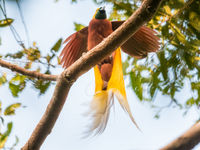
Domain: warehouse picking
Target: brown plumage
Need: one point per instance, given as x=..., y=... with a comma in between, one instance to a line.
x=99, y=29
x=76, y=44
x=138, y=46
x=109, y=80
x=141, y=43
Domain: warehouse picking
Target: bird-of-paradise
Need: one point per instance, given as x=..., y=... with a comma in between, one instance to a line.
x=108, y=73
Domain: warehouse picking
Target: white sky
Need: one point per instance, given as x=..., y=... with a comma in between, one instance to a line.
x=47, y=22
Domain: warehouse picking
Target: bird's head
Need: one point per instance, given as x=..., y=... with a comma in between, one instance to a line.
x=100, y=13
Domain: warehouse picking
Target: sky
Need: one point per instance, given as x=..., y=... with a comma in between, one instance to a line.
x=47, y=21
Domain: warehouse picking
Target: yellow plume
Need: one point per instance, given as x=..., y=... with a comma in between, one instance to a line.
x=103, y=99
x=116, y=84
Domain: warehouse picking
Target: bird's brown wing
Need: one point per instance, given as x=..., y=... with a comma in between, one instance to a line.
x=76, y=44
x=141, y=43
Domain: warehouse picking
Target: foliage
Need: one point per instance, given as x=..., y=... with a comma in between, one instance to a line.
x=177, y=62
x=78, y=26
x=30, y=56
x=27, y=57
x=4, y=135
x=10, y=110
x=6, y=22
x=166, y=72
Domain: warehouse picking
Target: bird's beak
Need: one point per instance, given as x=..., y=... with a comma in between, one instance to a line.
x=102, y=8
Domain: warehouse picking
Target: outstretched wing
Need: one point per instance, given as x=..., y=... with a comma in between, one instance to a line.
x=76, y=44
x=141, y=43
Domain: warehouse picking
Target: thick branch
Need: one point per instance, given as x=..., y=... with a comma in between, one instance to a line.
x=26, y=72
x=82, y=65
x=186, y=141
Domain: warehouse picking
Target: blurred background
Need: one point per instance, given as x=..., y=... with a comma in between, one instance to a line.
x=163, y=89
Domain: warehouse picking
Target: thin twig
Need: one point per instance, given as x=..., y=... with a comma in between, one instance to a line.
x=13, y=30
x=23, y=22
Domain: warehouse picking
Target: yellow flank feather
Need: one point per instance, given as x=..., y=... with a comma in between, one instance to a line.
x=116, y=84
x=98, y=79
x=103, y=99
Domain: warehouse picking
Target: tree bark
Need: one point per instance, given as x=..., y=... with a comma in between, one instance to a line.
x=186, y=141
x=26, y=72
x=82, y=65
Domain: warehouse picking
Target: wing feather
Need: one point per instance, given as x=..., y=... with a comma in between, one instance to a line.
x=76, y=44
x=75, y=50
x=141, y=43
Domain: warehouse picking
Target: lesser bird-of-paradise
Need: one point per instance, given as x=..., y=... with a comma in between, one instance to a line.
x=108, y=73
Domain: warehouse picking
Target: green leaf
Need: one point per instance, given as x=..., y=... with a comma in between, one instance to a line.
x=167, y=9
x=0, y=108
x=195, y=85
x=57, y=46
x=6, y=22
x=32, y=53
x=190, y=101
x=4, y=137
x=58, y=60
x=78, y=26
x=19, y=54
x=28, y=65
x=125, y=65
x=152, y=90
x=154, y=83
x=10, y=110
x=163, y=65
x=194, y=20
x=9, y=128
x=14, y=89
x=74, y=1
x=136, y=84
x=48, y=58
x=173, y=90
x=157, y=116
x=2, y=120
x=17, y=84
x=177, y=31
x=42, y=85
x=18, y=78
x=3, y=79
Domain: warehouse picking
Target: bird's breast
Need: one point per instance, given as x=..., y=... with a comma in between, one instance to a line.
x=98, y=30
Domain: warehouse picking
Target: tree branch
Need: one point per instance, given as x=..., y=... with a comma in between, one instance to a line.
x=82, y=65
x=26, y=72
x=186, y=141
